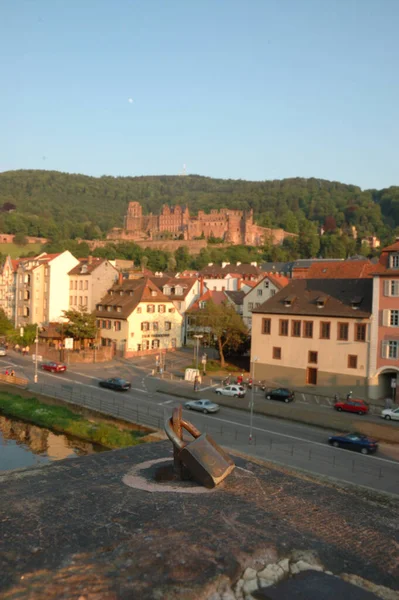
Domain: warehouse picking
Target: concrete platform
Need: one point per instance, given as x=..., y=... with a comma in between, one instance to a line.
x=78, y=529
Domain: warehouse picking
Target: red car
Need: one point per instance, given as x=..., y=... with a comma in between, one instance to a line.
x=352, y=405
x=54, y=367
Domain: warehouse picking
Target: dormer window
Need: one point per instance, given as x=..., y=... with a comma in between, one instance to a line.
x=111, y=292
x=166, y=290
x=153, y=293
x=178, y=291
x=289, y=300
x=202, y=304
x=99, y=306
x=356, y=302
x=394, y=261
x=83, y=269
x=109, y=308
x=121, y=292
x=321, y=301
x=118, y=309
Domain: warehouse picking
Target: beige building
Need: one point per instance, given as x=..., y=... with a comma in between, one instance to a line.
x=42, y=286
x=89, y=281
x=7, y=287
x=315, y=333
x=135, y=317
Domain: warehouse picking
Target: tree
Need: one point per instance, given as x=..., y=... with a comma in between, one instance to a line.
x=81, y=325
x=224, y=324
x=20, y=239
x=171, y=263
x=6, y=326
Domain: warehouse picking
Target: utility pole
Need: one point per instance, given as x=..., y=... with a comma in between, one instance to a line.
x=252, y=399
x=36, y=352
x=198, y=338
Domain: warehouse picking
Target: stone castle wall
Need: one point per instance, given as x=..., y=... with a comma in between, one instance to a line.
x=232, y=226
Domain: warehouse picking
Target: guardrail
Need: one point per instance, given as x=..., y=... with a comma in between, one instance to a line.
x=383, y=476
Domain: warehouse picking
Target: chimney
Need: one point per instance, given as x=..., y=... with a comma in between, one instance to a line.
x=201, y=290
x=89, y=259
x=254, y=264
x=238, y=264
x=120, y=278
x=225, y=264
x=238, y=283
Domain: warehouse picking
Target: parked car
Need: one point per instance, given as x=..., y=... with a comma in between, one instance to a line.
x=205, y=406
x=231, y=390
x=115, y=383
x=53, y=367
x=354, y=441
x=282, y=394
x=3, y=351
x=390, y=413
x=352, y=405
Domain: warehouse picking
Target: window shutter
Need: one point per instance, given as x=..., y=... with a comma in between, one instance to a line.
x=386, y=287
x=386, y=317
x=384, y=350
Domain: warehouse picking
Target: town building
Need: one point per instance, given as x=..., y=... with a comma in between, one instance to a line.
x=89, y=282
x=42, y=288
x=8, y=271
x=136, y=318
x=347, y=269
x=231, y=226
x=315, y=333
x=192, y=327
x=262, y=291
x=384, y=355
x=371, y=241
x=236, y=299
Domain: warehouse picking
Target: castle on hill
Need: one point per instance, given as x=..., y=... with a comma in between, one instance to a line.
x=231, y=226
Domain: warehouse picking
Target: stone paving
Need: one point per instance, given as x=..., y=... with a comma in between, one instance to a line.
x=74, y=529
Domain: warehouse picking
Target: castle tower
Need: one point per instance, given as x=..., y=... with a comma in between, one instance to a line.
x=134, y=217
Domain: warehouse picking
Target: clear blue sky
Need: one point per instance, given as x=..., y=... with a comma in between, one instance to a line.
x=242, y=89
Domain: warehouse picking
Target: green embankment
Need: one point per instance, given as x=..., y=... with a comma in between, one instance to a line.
x=60, y=418
x=15, y=250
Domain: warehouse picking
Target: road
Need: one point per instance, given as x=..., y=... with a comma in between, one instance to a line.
x=288, y=443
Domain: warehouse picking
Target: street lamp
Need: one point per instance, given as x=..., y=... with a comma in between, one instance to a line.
x=255, y=358
x=198, y=337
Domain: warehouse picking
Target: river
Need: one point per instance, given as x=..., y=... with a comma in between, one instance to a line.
x=26, y=445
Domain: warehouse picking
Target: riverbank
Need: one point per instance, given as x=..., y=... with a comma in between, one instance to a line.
x=62, y=419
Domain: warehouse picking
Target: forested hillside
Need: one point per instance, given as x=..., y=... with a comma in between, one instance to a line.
x=64, y=206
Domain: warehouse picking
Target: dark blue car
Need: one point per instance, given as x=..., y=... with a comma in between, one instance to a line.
x=354, y=441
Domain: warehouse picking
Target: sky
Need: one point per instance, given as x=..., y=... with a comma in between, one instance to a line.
x=254, y=89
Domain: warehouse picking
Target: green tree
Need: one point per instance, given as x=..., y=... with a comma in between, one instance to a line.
x=225, y=324
x=6, y=327
x=81, y=325
x=20, y=239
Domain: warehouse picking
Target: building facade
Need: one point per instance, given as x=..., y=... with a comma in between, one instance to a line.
x=89, y=282
x=7, y=287
x=265, y=289
x=315, y=334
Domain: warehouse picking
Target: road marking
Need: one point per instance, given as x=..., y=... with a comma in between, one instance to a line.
x=298, y=439
x=167, y=402
x=140, y=390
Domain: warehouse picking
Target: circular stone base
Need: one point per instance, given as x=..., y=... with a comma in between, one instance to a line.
x=158, y=476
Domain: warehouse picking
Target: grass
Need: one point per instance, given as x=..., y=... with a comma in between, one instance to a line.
x=15, y=251
x=60, y=418
x=213, y=366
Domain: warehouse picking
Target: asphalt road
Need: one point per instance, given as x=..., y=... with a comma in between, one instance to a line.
x=288, y=443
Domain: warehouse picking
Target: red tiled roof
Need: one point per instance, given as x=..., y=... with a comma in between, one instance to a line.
x=133, y=291
x=350, y=269
x=214, y=296
x=392, y=248
x=89, y=266
x=278, y=280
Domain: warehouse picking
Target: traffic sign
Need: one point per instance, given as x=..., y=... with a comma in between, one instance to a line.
x=393, y=383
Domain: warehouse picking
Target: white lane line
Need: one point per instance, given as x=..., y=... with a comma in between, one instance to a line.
x=167, y=402
x=298, y=439
x=140, y=390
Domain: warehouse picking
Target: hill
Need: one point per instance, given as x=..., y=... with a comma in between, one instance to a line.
x=66, y=206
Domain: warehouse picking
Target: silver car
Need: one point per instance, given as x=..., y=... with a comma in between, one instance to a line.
x=390, y=413
x=3, y=351
x=231, y=390
x=205, y=406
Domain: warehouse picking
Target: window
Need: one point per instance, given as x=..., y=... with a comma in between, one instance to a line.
x=109, y=324
x=296, y=329
x=81, y=285
x=86, y=285
x=308, y=329
x=146, y=345
x=155, y=344
x=325, y=330
x=360, y=332
x=80, y=302
x=76, y=299
x=266, y=326
x=394, y=261
x=70, y=300
x=259, y=292
x=343, y=331
x=257, y=304
x=71, y=285
x=394, y=288
x=118, y=308
x=138, y=311
x=118, y=325
x=394, y=318
x=393, y=349
x=250, y=305
x=168, y=325
x=161, y=308
x=202, y=304
x=272, y=292
x=150, y=308
x=283, y=326
x=145, y=326
x=99, y=306
x=138, y=347
x=98, y=324
x=352, y=361
x=266, y=284
x=312, y=357
x=155, y=326
x=277, y=353
x=76, y=284
x=103, y=324
x=173, y=343
x=311, y=376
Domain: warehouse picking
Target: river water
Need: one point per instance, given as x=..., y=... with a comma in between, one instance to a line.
x=25, y=445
